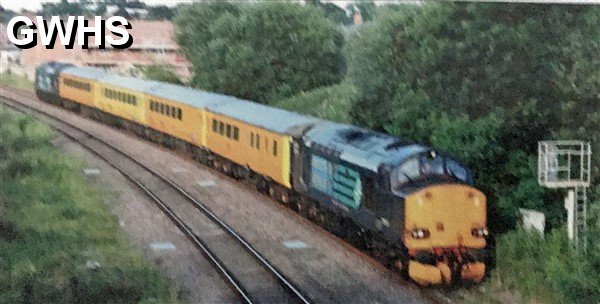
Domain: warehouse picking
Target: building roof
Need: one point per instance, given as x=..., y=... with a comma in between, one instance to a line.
x=363, y=147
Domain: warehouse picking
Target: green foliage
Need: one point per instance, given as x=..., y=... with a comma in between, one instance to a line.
x=63, y=8
x=485, y=82
x=547, y=269
x=263, y=51
x=160, y=12
x=12, y=80
x=331, y=103
x=161, y=73
x=53, y=224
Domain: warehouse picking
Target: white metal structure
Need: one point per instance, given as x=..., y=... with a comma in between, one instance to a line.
x=567, y=164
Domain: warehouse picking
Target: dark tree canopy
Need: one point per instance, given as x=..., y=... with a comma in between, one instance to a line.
x=262, y=52
x=160, y=12
x=485, y=82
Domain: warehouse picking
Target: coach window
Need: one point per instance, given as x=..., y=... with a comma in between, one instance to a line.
x=214, y=127
x=162, y=108
x=257, y=141
x=174, y=112
x=274, y=148
x=179, y=114
x=228, y=133
x=252, y=139
x=221, y=128
x=236, y=133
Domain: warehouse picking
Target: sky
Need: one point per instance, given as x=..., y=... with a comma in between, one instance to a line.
x=17, y=5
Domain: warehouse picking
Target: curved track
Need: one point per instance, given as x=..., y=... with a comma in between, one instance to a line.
x=249, y=273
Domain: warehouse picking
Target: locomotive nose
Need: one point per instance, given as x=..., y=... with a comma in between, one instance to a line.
x=444, y=225
x=452, y=215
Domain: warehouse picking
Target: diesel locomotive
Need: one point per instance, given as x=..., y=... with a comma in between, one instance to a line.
x=410, y=205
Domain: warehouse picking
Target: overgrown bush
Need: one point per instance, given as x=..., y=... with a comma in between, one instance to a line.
x=331, y=103
x=547, y=268
x=161, y=73
x=54, y=226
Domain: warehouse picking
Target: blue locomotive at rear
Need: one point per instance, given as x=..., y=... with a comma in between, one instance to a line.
x=46, y=80
x=363, y=181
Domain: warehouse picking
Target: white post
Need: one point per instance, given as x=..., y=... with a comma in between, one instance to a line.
x=570, y=207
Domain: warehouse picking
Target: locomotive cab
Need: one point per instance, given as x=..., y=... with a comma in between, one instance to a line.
x=445, y=220
x=46, y=80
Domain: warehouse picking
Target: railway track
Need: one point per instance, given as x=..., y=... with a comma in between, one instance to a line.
x=249, y=274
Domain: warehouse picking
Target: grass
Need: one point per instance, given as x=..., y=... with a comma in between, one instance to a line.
x=18, y=81
x=55, y=229
x=535, y=269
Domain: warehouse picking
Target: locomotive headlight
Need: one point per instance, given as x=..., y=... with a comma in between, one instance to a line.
x=420, y=233
x=480, y=232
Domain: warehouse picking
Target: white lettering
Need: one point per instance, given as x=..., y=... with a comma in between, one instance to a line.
x=49, y=31
x=29, y=36
x=125, y=36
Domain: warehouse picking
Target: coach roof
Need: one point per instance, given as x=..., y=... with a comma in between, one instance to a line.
x=86, y=72
x=185, y=95
x=272, y=119
x=134, y=84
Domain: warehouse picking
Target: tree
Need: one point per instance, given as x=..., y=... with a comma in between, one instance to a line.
x=160, y=12
x=161, y=73
x=63, y=8
x=262, y=52
x=441, y=70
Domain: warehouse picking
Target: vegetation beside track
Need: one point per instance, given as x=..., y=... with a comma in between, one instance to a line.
x=59, y=241
x=11, y=79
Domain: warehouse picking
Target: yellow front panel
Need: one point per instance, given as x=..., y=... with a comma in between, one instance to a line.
x=77, y=93
x=449, y=212
x=128, y=111
x=189, y=128
x=260, y=157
